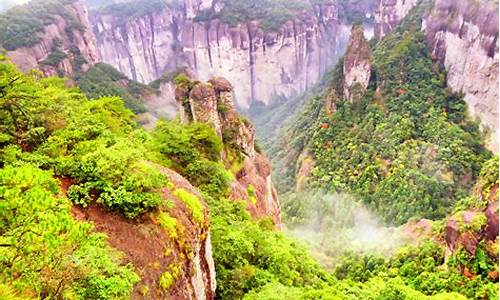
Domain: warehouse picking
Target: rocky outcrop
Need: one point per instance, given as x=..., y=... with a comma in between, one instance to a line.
x=357, y=66
x=213, y=102
x=463, y=35
x=389, y=13
x=66, y=45
x=173, y=261
x=260, y=65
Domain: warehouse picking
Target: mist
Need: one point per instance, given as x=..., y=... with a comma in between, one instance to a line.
x=334, y=224
x=5, y=4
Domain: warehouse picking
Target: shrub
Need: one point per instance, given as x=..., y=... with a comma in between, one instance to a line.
x=193, y=203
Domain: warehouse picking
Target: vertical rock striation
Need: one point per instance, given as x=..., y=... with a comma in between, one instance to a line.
x=73, y=37
x=389, y=13
x=260, y=65
x=463, y=35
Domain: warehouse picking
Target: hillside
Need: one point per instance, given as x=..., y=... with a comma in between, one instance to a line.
x=368, y=167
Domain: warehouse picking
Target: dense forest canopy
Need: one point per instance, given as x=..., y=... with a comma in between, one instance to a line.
x=392, y=195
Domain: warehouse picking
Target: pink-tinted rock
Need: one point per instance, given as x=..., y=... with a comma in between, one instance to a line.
x=492, y=221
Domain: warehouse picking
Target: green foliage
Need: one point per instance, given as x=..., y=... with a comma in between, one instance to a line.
x=166, y=280
x=169, y=224
x=407, y=154
x=22, y=24
x=56, y=56
x=94, y=143
x=421, y=268
x=489, y=177
x=103, y=80
x=136, y=8
x=272, y=14
x=248, y=255
x=192, y=202
x=169, y=277
x=194, y=151
x=44, y=250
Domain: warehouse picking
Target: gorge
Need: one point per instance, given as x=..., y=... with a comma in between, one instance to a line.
x=367, y=169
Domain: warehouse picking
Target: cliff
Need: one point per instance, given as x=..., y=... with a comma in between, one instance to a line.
x=170, y=249
x=213, y=102
x=357, y=66
x=260, y=64
x=463, y=35
x=389, y=13
x=63, y=45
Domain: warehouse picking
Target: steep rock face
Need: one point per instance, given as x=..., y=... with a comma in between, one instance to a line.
x=213, y=102
x=357, y=66
x=154, y=250
x=259, y=64
x=389, y=13
x=463, y=35
x=76, y=42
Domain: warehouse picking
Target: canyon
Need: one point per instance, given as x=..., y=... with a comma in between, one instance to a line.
x=260, y=65
x=206, y=69
x=463, y=36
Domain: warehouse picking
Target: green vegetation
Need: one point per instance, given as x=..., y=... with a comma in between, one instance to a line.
x=136, y=8
x=22, y=24
x=104, y=80
x=272, y=14
x=169, y=277
x=169, y=224
x=56, y=56
x=407, y=151
x=192, y=202
x=44, y=251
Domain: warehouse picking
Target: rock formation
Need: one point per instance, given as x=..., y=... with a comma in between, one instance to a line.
x=357, y=66
x=75, y=43
x=463, y=35
x=389, y=14
x=213, y=102
x=185, y=254
x=260, y=65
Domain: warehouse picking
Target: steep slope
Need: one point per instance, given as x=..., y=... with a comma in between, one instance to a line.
x=52, y=36
x=463, y=36
x=282, y=60
x=213, y=103
x=158, y=241
x=393, y=141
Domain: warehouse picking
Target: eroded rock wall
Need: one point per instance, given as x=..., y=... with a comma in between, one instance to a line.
x=389, y=13
x=76, y=42
x=463, y=35
x=357, y=66
x=259, y=64
x=213, y=102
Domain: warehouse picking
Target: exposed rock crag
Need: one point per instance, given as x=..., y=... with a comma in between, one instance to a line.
x=463, y=35
x=77, y=43
x=357, y=66
x=213, y=102
x=152, y=251
x=389, y=14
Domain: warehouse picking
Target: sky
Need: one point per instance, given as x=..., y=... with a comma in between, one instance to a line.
x=4, y=4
